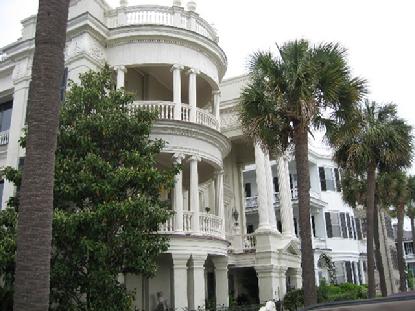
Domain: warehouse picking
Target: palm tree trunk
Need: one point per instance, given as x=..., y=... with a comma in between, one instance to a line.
x=371, y=184
x=401, y=260
x=34, y=230
x=378, y=256
x=303, y=176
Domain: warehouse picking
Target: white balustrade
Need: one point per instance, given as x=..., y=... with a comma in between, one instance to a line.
x=168, y=226
x=207, y=119
x=249, y=241
x=187, y=221
x=4, y=138
x=211, y=224
x=165, y=111
x=251, y=202
x=160, y=15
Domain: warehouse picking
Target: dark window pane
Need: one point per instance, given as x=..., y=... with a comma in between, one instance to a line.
x=337, y=177
x=313, y=226
x=248, y=190
x=5, y=116
x=295, y=226
x=276, y=185
x=322, y=178
x=349, y=272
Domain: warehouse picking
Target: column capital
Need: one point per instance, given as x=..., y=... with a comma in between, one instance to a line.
x=220, y=262
x=176, y=67
x=120, y=68
x=219, y=172
x=178, y=157
x=195, y=158
x=199, y=260
x=193, y=71
x=180, y=260
x=216, y=92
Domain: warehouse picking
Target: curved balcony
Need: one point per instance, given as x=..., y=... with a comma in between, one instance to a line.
x=166, y=111
x=160, y=15
x=210, y=225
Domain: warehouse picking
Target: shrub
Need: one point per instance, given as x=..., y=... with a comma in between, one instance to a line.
x=410, y=276
x=294, y=299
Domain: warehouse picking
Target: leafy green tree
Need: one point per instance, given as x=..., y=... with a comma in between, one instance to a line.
x=107, y=204
x=375, y=138
x=302, y=87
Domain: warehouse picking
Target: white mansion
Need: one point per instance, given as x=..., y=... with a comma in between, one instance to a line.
x=235, y=231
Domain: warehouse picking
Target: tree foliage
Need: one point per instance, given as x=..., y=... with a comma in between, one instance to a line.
x=107, y=203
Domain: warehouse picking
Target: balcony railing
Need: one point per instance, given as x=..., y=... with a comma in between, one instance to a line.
x=165, y=111
x=210, y=225
x=160, y=15
x=249, y=241
x=4, y=138
x=252, y=202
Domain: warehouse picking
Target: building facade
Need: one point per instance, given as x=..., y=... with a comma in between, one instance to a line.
x=234, y=235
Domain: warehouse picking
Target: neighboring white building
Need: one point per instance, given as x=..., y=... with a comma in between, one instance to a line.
x=235, y=227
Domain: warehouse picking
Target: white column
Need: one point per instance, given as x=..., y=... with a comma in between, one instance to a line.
x=20, y=97
x=121, y=70
x=192, y=94
x=219, y=194
x=177, y=91
x=270, y=192
x=178, y=194
x=216, y=105
x=180, y=281
x=268, y=282
x=221, y=279
x=197, y=300
x=262, y=199
x=286, y=210
x=194, y=193
x=362, y=271
x=282, y=282
x=298, y=279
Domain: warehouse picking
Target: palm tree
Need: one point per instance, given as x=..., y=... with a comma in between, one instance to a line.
x=397, y=195
x=36, y=196
x=354, y=190
x=411, y=207
x=374, y=139
x=302, y=87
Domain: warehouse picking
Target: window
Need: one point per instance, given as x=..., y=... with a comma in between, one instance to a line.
x=295, y=226
x=5, y=116
x=248, y=193
x=409, y=248
x=279, y=225
x=353, y=227
x=276, y=185
x=313, y=226
x=333, y=227
x=249, y=229
x=337, y=177
x=343, y=225
x=349, y=272
x=326, y=179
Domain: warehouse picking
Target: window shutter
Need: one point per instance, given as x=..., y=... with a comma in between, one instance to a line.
x=343, y=225
x=353, y=226
x=313, y=226
x=354, y=272
x=322, y=178
x=358, y=229
x=329, y=229
x=337, y=177
x=349, y=225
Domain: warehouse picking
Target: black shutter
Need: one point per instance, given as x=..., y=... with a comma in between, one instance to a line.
x=338, y=183
x=343, y=225
x=349, y=225
x=358, y=229
x=329, y=229
x=349, y=272
x=322, y=178
x=313, y=226
x=276, y=185
x=353, y=220
x=291, y=182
